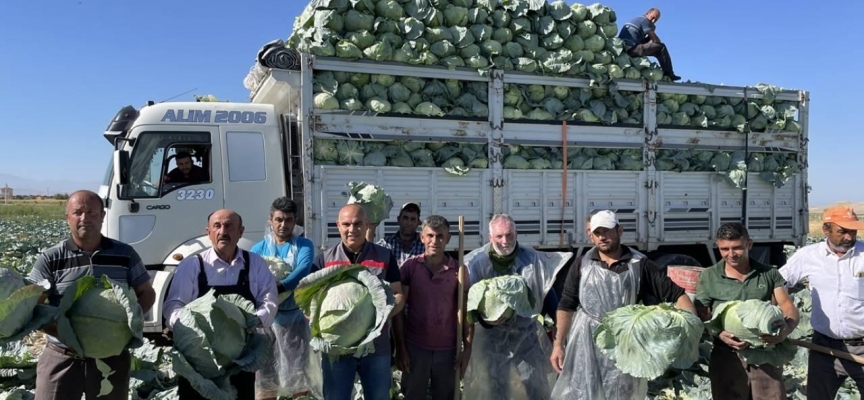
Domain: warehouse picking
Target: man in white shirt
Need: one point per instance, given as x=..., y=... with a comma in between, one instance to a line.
x=228, y=270
x=835, y=271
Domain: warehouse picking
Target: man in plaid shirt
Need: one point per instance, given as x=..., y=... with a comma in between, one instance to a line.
x=405, y=243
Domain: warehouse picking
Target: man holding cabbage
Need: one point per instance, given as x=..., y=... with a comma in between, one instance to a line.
x=343, y=357
x=228, y=270
x=834, y=269
x=61, y=373
x=511, y=285
x=293, y=370
x=609, y=276
x=734, y=372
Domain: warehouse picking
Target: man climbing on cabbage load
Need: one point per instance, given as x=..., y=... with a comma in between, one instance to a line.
x=609, y=276
x=227, y=269
x=640, y=40
x=294, y=371
x=60, y=372
x=426, y=337
x=375, y=368
x=510, y=355
x=405, y=243
x=737, y=277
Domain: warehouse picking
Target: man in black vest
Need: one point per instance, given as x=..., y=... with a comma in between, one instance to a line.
x=228, y=270
x=374, y=369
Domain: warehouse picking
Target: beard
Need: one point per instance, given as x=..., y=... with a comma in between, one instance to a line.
x=504, y=250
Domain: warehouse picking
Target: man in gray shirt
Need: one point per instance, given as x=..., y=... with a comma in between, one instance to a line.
x=60, y=373
x=640, y=40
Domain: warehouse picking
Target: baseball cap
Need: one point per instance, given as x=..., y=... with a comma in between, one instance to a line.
x=410, y=207
x=844, y=217
x=603, y=219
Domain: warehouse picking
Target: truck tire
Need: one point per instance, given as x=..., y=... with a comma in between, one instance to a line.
x=665, y=260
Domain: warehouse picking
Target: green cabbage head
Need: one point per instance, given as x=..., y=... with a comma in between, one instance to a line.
x=347, y=307
x=100, y=318
x=375, y=202
x=747, y=320
x=214, y=338
x=19, y=312
x=644, y=341
x=500, y=297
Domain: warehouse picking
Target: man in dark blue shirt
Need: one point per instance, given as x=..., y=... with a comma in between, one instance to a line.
x=640, y=39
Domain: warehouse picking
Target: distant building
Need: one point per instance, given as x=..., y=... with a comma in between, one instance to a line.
x=6, y=192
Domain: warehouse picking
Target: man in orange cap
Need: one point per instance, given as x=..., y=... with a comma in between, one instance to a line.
x=835, y=271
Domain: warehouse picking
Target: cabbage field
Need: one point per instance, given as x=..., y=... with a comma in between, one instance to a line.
x=21, y=239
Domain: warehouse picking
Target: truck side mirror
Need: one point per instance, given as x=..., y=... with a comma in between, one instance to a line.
x=121, y=166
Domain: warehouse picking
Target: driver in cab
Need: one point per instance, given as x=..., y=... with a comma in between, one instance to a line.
x=186, y=171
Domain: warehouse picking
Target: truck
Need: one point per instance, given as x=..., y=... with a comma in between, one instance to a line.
x=257, y=151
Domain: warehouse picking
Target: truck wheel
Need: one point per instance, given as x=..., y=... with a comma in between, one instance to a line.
x=665, y=260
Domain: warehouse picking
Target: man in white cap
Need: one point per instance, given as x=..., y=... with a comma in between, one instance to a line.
x=609, y=276
x=405, y=243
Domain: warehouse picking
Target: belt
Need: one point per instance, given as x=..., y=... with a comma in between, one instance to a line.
x=65, y=352
x=849, y=342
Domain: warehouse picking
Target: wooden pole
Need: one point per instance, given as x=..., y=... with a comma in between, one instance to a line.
x=459, y=314
x=829, y=351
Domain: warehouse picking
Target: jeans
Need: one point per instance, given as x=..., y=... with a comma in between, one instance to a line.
x=375, y=376
x=657, y=50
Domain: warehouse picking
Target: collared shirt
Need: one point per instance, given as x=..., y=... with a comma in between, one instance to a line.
x=65, y=263
x=394, y=243
x=184, y=286
x=654, y=284
x=432, y=298
x=837, y=287
x=716, y=287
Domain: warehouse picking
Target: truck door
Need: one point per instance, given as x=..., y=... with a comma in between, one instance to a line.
x=175, y=182
x=253, y=175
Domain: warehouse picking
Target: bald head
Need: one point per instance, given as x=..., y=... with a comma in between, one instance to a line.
x=223, y=212
x=84, y=197
x=653, y=14
x=352, y=225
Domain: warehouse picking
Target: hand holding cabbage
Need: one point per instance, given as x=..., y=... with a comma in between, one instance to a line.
x=744, y=326
x=20, y=312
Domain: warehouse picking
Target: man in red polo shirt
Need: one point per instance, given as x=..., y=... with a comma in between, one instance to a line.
x=426, y=333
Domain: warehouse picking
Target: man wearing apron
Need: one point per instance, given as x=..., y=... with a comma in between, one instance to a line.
x=609, y=276
x=294, y=370
x=226, y=269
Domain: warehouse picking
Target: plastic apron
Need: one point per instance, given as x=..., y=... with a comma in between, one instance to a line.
x=295, y=368
x=588, y=374
x=511, y=361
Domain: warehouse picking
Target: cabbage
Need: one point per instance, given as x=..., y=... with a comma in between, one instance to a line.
x=347, y=308
x=214, y=339
x=747, y=320
x=375, y=202
x=500, y=297
x=644, y=341
x=20, y=312
x=99, y=318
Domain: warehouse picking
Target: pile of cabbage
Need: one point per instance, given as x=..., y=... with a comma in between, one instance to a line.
x=775, y=168
x=530, y=36
x=729, y=113
x=524, y=35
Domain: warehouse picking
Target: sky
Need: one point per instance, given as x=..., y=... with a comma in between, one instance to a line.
x=68, y=67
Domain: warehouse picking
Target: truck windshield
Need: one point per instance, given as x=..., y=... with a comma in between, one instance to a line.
x=155, y=152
